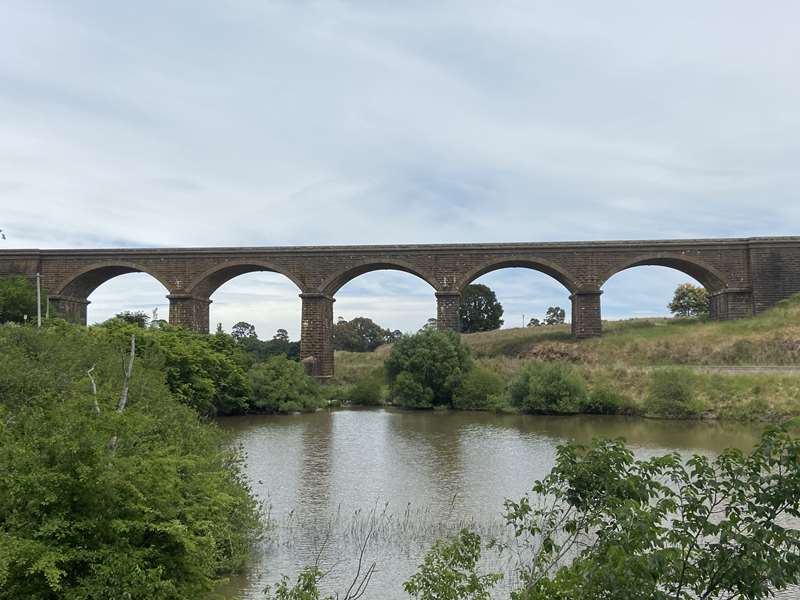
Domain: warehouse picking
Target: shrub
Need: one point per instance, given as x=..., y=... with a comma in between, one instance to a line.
x=17, y=300
x=603, y=399
x=425, y=369
x=547, y=388
x=159, y=512
x=282, y=385
x=671, y=394
x=367, y=391
x=478, y=390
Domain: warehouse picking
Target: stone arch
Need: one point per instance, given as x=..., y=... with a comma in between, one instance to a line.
x=82, y=283
x=557, y=272
x=335, y=282
x=212, y=279
x=711, y=278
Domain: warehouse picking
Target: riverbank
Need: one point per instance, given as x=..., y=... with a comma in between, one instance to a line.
x=746, y=370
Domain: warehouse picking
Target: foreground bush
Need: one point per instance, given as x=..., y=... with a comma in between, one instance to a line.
x=672, y=394
x=282, y=385
x=426, y=368
x=143, y=503
x=548, y=388
x=663, y=527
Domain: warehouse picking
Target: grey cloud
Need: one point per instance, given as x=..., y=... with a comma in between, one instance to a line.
x=351, y=122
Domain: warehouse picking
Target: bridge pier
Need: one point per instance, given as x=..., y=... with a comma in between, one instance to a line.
x=316, y=334
x=189, y=311
x=447, y=311
x=70, y=308
x=731, y=303
x=586, y=320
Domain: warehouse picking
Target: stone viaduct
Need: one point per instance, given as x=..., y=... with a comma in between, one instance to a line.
x=744, y=276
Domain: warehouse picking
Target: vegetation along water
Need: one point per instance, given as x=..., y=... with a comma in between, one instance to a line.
x=140, y=460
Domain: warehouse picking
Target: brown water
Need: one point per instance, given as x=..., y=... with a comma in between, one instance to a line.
x=415, y=476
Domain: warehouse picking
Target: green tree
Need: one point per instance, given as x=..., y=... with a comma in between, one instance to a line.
x=534, y=322
x=449, y=571
x=689, y=301
x=281, y=336
x=282, y=385
x=555, y=315
x=359, y=335
x=134, y=318
x=624, y=529
x=17, y=299
x=426, y=368
x=243, y=331
x=479, y=310
x=161, y=513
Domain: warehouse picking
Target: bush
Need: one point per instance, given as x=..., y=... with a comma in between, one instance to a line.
x=367, y=391
x=548, y=388
x=94, y=503
x=603, y=399
x=671, y=394
x=17, y=299
x=478, y=390
x=206, y=372
x=282, y=385
x=426, y=368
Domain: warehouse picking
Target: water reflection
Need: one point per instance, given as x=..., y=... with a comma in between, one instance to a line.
x=323, y=472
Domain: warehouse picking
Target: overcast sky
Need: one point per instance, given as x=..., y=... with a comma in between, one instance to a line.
x=254, y=122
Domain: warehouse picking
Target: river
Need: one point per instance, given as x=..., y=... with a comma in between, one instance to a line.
x=330, y=477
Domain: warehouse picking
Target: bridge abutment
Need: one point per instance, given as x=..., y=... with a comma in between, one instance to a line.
x=586, y=319
x=731, y=303
x=189, y=311
x=316, y=335
x=448, y=305
x=70, y=308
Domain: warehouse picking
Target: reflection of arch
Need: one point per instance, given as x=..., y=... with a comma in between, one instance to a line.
x=542, y=265
x=88, y=279
x=208, y=282
x=710, y=277
x=336, y=281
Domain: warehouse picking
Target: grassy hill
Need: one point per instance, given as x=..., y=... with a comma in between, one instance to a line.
x=630, y=351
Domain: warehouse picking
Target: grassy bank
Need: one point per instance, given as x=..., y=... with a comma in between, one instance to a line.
x=624, y=364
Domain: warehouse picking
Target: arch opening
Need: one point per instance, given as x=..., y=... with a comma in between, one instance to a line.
x=393, y=298
x=525, y=294
x=334, y=283
x=114, y=291
x=706, y=275
x=643, y=291
x=546, y=267
x=266, y=299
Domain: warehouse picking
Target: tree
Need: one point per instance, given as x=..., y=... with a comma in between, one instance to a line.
x=426, y=368
x=281, y=336
x=449, y=571
x=480, y=310
x=619, y=528
x=138, y=318
x=159, y=514
x=554, y=315
x=282, y=385
x=534, y=322
x=17, y=299
x=359, y=335
x=243, y=330
x=689, y=301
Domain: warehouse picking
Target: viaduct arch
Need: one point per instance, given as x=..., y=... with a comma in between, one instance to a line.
x=743, y=275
